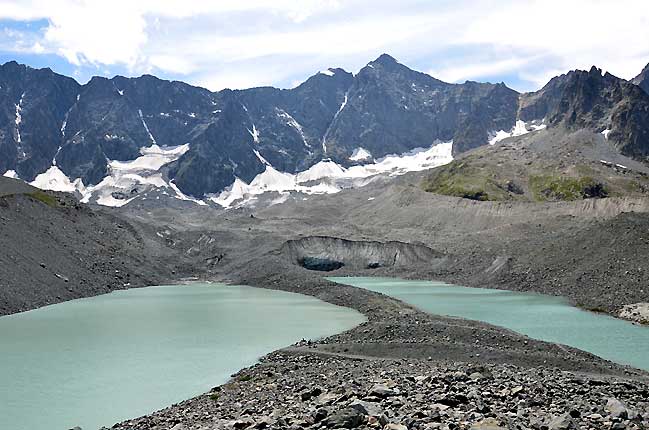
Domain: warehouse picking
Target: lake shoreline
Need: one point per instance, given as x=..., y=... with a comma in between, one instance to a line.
x=396, y=336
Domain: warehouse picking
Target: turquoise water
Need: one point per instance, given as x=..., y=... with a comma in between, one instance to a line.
x=541, y=317
x=93, y=362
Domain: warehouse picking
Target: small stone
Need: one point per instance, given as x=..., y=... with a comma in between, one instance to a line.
x=241, y=424
x=488, y=424
x=393, y=426
x=380, y=390
x=366, y=408
x=476, y=376
x=320, y=414
x=562, y=422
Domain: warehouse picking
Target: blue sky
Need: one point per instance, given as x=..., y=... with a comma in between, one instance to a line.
x=239, y=44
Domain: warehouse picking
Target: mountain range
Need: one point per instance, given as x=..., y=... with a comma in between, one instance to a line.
x=113, y=139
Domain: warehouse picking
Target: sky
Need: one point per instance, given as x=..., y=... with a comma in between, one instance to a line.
x=245, y=43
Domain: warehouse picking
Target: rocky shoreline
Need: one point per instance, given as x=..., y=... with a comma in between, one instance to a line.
x=405, y=369
x=299, y=390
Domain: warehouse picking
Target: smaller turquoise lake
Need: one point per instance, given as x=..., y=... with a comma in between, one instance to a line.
x=541, y=317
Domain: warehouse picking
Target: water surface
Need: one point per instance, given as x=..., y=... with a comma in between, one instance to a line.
x=93, y=362
x=542, y=317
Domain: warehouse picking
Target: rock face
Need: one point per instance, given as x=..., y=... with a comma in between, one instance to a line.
x=598, y=102
x=33, y=106
x=642, y=80
x=329, y=253
x=389, y=106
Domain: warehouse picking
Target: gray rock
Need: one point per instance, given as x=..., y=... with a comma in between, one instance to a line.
x=345, y=418
x=562, y=422
x=380, y=390
x=616, y=408
x=367, y=408
x=488, y=424
x=393, y=426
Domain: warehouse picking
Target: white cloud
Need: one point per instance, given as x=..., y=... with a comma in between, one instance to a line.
x=471, y=70
x=235, y=43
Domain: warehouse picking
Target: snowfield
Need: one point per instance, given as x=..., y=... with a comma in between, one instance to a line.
x=519, y=129
x=328, y=177
x=129, y=180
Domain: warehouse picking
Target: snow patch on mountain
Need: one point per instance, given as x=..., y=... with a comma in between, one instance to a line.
x=520, y=128
x=128, y=180
x=18, y=120
x=153, y=158
x=125, y=180
x=328, y=72
x=606, y=133
x=55, y=180
x=293, y=123
x=328, y=177
x=322, y=169
x=340, y=109
x=270, y=180
x=254, y=133
x=261, y=158
x=412, y=161
x=360, y=154
x=146, y=127
x=11, y=174
x=182, y=196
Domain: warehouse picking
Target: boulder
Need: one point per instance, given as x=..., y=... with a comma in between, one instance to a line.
x=380, y=390
x=348, y=418
x=366, y=408
x=616, y=408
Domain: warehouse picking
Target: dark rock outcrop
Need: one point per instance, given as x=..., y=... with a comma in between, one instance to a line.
x=642, y=80
x=596, y=102
x=392, y=109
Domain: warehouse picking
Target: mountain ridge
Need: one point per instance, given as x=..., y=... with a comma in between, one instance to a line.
x=386, y=108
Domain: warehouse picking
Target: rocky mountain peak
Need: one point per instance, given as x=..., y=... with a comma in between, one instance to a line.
x=385, y=60
x=642, y=80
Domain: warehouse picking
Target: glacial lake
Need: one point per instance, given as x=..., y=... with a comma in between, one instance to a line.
x=538, y=316
x=96, y=361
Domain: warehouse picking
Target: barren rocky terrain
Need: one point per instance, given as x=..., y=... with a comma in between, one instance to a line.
x=437, y=372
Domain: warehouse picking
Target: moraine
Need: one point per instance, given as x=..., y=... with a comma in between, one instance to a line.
x=538, y=316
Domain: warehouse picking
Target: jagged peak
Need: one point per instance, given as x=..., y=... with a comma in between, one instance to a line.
x=12, y=63
x=595, y=70
x=385, y=59
x=643, y=77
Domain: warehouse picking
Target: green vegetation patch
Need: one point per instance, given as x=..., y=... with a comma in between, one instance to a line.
x=549, y=187
x=461, y=179
x=44, y=198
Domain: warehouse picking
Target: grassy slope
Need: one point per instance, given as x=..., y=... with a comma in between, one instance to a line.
x=524, y=170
